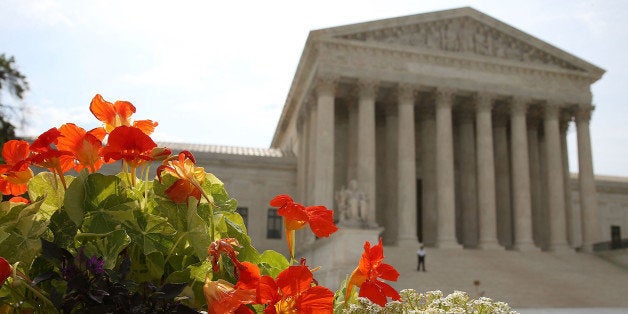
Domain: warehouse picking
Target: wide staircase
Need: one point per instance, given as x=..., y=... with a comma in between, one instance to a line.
x=522, y=279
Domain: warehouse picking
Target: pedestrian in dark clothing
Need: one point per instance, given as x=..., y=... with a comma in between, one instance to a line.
x=421, y=255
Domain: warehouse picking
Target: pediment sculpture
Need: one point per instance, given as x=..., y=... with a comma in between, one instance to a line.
x=463, y=35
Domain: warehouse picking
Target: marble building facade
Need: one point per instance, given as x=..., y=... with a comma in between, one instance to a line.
x=454, y=127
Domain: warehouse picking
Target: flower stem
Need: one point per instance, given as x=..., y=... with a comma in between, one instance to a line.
x=41, y=296
x=23, y=279
x=211, y=211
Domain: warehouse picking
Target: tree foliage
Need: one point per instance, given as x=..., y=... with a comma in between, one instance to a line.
x=14, y=83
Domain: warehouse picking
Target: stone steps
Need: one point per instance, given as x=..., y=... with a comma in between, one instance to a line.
x=523, y=279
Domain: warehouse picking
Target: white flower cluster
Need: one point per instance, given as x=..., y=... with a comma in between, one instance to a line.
x=431, y=302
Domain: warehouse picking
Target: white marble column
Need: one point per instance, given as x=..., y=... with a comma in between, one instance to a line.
x=487, y=222
x=324, y=154
x=391, y=217
x=309, y=136
x=586, y=180
x=520, y=177
x=574, y=235
x=428, y=159
x=466, y=178
x=555, y=180
x=536, y=185
x=352, y=143
x=445, y=191
x=311, y=152
x=406, y=167
x=366, y=145
x=502, y=179
x=302, y=137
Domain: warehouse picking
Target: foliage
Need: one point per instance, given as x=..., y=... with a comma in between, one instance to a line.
x=119, y=243
x=14, y=82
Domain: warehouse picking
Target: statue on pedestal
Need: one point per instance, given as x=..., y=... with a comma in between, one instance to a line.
x=352, y=205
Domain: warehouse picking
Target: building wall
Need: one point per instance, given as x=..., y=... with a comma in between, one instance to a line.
x=253, y=181
x=612, y=195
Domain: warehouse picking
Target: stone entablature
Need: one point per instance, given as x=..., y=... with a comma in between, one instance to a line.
x=360, y=61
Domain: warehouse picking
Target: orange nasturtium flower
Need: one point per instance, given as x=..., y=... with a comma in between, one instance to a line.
x=190, y=177
x=220, y=246
x=5, y=270
x=222, y=296
x=365, y=276
x=84, y=146
x=129, y=144
x=296, y=216
x=118, y=114
x=295, y=291
x=46, y=154
x=14, y=175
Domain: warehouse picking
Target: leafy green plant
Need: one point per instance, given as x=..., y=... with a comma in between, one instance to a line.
x=173, y=244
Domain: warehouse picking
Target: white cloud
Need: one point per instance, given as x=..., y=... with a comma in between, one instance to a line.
x=31, y=13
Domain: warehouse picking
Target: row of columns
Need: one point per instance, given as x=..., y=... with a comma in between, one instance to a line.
x=491, y=163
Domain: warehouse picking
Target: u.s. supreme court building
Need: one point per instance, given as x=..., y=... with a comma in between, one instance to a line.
x=447, y=129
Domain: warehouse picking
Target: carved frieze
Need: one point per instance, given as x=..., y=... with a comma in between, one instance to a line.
x=464, y=35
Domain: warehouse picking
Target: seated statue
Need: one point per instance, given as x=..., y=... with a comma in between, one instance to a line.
x=352, y=205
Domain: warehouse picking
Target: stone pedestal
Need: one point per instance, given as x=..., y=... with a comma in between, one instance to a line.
x=343, y=250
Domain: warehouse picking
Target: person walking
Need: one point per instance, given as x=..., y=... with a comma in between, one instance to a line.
x=421, y=255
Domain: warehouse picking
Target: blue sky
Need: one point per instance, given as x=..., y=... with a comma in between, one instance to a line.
x=218, y=72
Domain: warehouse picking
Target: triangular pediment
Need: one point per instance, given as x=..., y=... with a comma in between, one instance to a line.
x=465, y=31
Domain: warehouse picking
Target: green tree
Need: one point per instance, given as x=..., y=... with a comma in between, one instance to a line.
x=14, y=83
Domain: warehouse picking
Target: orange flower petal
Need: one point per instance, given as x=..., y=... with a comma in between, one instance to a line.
x=294, y=280
x=293, y=211
x=15, y=151
x=316, y=300
x=130, y=144
x=85, y=146
x=18, y=199
x=387, y=272
x=16, y=183
x=222, y=297
x=43, y=142
x=124, y=110
x=378, y=292
x=102, y=110
x=321, y=220
x=248, y=276
x=98, y=133
x=267, y=291
x=147, y=126
x=281, y=200
x=181, y=190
